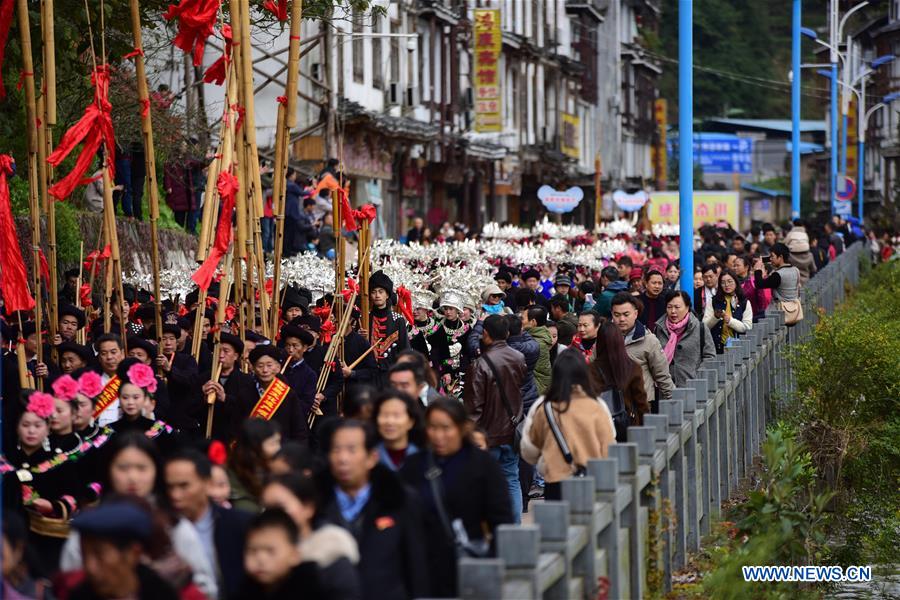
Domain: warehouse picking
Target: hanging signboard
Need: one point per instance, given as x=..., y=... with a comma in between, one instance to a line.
x=557, y=201
x=569, y=145
x=709, y=207
x=630, y=202
x=488, y=41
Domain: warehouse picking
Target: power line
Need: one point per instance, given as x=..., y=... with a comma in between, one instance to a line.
x=771, y=84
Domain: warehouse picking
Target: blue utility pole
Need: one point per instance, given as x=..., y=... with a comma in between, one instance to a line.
x=834, y=134
x=795, y=111
x=861, y=174
x=686, y=143
x=844, y=143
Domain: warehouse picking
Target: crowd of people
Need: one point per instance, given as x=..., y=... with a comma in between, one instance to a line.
x=147, y=464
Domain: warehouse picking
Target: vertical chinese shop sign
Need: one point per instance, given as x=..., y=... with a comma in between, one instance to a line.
x=488, y=41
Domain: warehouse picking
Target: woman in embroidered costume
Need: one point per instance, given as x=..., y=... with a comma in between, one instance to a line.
x=46, y=480
x=136, y=401
x=80, y=394
x=450, y=341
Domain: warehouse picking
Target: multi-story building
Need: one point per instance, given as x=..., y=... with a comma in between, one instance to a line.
x=399, y=99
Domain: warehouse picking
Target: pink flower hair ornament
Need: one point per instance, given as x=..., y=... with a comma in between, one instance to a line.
x=65, y=388
x=90, y=384
x=142, y=376
x=41, y=404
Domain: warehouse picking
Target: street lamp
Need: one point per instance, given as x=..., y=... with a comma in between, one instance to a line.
x=861, y=134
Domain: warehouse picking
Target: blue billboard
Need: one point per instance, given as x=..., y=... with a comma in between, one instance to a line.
x=719, y=153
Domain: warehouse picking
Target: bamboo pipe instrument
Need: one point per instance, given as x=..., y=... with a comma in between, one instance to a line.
x=35, y=168
x=149, y=158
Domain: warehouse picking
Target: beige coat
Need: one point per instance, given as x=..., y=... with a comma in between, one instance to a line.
x=644, y=348
x=588, y=430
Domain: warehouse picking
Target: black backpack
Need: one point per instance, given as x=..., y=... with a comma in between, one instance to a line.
x=615, y=401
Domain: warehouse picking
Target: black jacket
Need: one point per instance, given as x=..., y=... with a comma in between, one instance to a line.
x=153, y=587
x=182, y=383
x=389, y=534
x=301, y=584
x=302, y=380
x=355, y=346
x=289, y=415
x=315, y=358
x=229, y=531
x=474, y=490
x=227, y=415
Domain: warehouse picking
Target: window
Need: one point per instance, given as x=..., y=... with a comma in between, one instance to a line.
x=395, y=53
x=358, y=51
x=377, y=65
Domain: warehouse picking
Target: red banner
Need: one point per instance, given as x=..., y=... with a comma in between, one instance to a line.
x=227, y=186
x=14, y=277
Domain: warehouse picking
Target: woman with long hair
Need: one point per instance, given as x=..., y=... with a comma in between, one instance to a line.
x=134, y=469
x=614, y=371
x=686, y=341
x=257, y=443
x=583, y=422
x=463, y=491
x=398, y=419
x=333, y=549
x=730, y=314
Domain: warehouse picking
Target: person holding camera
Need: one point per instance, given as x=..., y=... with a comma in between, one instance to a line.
x=784, y=282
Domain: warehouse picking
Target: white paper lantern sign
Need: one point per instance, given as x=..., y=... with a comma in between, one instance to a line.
x=557, y=201
x=630, y=202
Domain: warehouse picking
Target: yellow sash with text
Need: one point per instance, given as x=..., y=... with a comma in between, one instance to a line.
x=108, y=395
x=271, y=400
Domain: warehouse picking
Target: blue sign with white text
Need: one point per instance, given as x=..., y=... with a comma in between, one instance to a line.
x=720, y=153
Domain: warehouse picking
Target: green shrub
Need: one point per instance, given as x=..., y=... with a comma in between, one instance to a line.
x=781, y=523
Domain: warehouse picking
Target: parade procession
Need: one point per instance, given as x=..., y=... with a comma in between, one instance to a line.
x=350, y=299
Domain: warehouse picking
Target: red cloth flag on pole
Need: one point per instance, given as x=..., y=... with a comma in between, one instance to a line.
x=94, y=128
x=196, y=21
x=227, y=185
x=14, y=277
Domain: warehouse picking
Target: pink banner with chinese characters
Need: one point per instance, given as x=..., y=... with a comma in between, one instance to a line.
x=709, y=207
x=487, y=41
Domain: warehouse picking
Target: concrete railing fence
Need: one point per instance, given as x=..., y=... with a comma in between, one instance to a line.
x=660, y=492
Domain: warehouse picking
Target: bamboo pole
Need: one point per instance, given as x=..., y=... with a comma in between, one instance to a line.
x=80, y=334
x=224, y=290
x=49, y=34
x=279, y=185
x=26, y=379
x=227, y=155
x=149, y=159
x=333, y=348
x=287, y=120
x=35, y=168
x=363, y=273
x=114, y=270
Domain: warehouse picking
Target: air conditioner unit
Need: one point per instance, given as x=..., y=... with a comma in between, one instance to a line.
x=392, y=94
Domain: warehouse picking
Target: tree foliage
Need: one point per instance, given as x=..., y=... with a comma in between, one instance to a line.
x=74, y=21
x=745, y=51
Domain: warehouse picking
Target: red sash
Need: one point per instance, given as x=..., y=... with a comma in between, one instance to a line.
x=108, y=395
x=271, y=400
